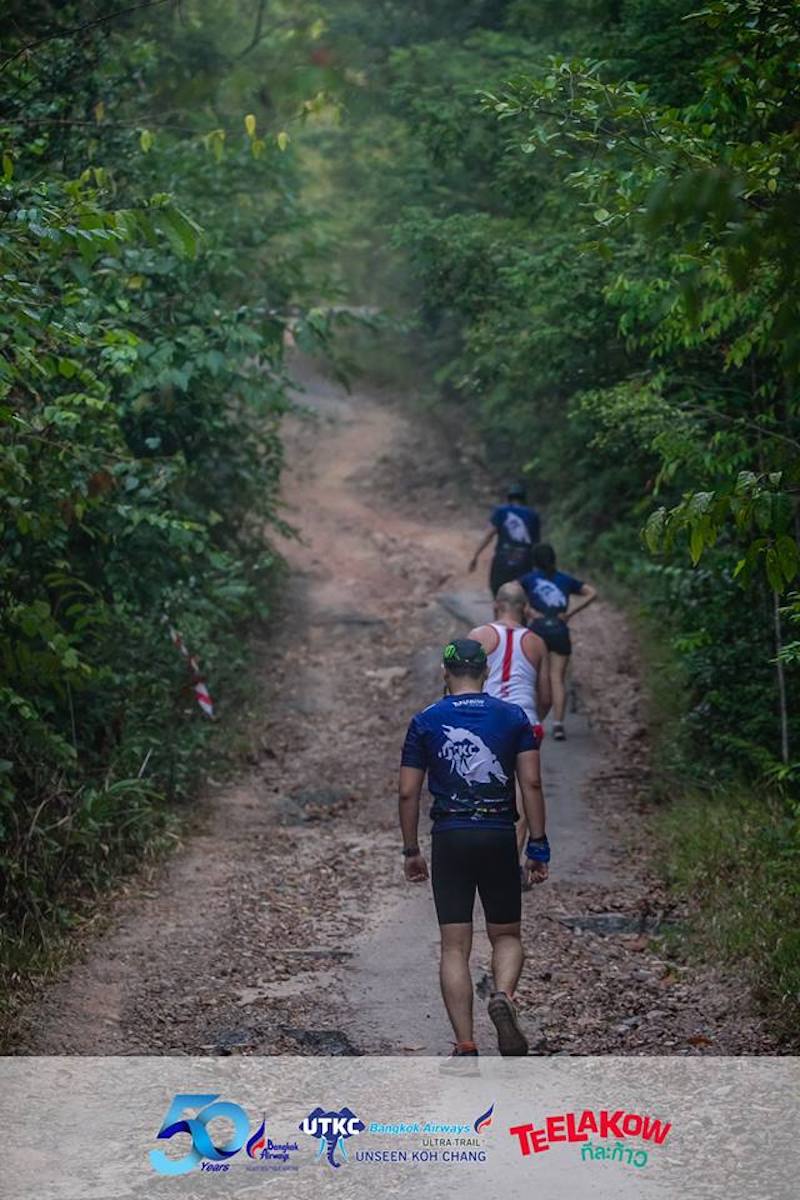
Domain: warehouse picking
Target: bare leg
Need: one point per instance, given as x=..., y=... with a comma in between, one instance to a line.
x=507, y=959
x=558, y=683
x=455, y=978
x=507, y=956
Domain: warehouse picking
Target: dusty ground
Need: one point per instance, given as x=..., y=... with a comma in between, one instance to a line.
x=283, y=924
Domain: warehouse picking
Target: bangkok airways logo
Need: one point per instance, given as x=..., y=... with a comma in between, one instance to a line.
x=332, y=1128
x=483, y=1122
x=268, y=1152
x=470, y=757
x=258, y=1141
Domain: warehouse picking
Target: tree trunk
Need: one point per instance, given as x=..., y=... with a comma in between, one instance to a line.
x=784, y=716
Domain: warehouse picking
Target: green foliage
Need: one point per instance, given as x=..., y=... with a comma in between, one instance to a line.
x=593, y=219
x=603, y=267
x=151, y=267
x=736, y=854
x=707, y=192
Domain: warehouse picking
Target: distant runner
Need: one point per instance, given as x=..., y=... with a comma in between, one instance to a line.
x=519, y=665
x=549, y=593
x=471, y=746
x=516, y=528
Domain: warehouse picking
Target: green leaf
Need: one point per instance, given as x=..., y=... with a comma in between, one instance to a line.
x=787, y=554
x=763, y=511
x=181, y=231
x=696, y=543
x=653, y=532
x=774, y=573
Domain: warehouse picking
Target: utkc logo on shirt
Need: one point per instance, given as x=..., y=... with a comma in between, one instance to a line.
x=470, y=757
x=549, y=593
x=516, y=529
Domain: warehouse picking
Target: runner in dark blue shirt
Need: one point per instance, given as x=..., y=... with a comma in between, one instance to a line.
x=550, y=593
x=469, y=745
x=516, y=529
x=472, y=746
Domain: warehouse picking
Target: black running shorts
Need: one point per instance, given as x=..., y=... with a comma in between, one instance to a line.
x=508, y=565
x=554, y=633
x=463, y=860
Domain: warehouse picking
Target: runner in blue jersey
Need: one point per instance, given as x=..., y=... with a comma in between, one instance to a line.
x=550, y=595
x=472, y=746
x=515, y=527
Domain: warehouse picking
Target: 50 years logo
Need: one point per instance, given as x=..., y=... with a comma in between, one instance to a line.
x=209, y=1107
x=193, y=1113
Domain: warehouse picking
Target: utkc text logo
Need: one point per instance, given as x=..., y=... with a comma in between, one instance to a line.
x=332, y=1129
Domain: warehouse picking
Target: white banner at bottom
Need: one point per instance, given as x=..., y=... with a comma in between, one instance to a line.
x=538, y=1128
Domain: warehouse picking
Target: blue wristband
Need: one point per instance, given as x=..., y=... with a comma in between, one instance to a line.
x=538, y=851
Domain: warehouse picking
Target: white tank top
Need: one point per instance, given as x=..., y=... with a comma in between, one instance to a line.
x=512, y=676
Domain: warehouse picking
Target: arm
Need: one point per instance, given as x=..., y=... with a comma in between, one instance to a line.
x=544, y=692
x=530, y=783
x=587, y=595
x=491, y=533
x=538, y=656
x=415, y=867
x=531, y=613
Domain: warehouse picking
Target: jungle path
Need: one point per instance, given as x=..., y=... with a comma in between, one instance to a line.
x=283, y=924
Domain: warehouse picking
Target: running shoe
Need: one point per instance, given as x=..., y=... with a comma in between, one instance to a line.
x=558, y=732
x=463, y=1060
x=511, y=1041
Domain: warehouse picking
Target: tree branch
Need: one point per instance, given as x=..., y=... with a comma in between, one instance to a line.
x=98, y=126
x=66, y=33
x=699, y=410
x=256, y=38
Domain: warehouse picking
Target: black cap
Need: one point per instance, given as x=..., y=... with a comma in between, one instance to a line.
x=517, y=490
x=464, y=652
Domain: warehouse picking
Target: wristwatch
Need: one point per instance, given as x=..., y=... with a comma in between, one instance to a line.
x=410, y=851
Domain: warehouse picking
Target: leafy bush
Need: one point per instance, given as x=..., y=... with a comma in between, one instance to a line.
x=737, y=855
x=150, y=270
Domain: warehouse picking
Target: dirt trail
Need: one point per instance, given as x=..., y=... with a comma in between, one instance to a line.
x=283, y=924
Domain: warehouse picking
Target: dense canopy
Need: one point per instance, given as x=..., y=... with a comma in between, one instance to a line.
x=579, y=220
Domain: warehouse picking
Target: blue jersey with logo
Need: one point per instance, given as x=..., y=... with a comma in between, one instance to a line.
x=549, y=594
x=469, y=744
x=517, y=526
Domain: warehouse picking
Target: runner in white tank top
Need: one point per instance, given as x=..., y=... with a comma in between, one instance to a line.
x=519, y=665
x=512, y=676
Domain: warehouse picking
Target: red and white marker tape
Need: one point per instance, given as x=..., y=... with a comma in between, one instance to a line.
x=201, y=692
